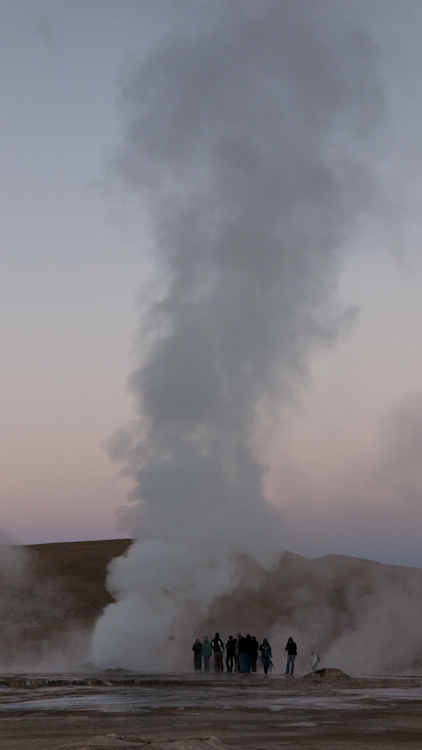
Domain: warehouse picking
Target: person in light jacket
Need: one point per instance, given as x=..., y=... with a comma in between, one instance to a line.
x=314, y=661
x=206, y=653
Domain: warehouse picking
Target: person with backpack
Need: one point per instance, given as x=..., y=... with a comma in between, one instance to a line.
x=291, y=656
x=265, y=650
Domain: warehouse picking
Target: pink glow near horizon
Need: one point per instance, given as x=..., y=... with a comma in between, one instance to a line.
x=71, y=269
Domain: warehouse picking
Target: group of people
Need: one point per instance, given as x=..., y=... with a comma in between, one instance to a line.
x=242, y=654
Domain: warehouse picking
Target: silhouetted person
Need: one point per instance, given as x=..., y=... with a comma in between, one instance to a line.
x=247, y=654
x=236, y=656
x=241, y=650
x=218, y=648
x=230, y=653
x=197, y=658
x=254, y=653
x=291, y=655
x=206, y=652
x=266, y=654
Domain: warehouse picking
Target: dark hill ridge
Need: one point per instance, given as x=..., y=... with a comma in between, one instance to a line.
x=330, y=591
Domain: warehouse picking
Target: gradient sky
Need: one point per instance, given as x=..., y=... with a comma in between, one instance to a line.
x=346, y=458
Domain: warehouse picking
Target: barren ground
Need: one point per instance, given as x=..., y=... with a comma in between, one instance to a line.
x=130, y=711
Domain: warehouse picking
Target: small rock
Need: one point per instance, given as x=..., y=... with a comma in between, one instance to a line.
x=327, y=674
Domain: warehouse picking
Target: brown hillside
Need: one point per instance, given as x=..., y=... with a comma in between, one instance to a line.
x=360, y=615
x=79, y=570
x=50, y=598
x=51, y=587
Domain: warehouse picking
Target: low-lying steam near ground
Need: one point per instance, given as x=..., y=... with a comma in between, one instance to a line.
x=50, y=598
x=358, y=615
x=39, y=628
x=250, y=150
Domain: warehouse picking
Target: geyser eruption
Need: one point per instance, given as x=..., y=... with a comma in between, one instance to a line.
x=247, y=148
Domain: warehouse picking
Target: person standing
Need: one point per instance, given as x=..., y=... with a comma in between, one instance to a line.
x=314, y=661
x=218, y=648
x=230, y=653
x=247, y=654
x=291, y=656
x=206, y=653
x=254, y=653
x=266, y=654
x=241, y=654
x=197, y=655
x=236, y=656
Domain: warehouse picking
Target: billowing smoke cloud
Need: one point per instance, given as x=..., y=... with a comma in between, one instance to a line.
x=250, y=149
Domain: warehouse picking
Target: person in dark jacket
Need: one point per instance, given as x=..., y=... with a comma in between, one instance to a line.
x=218, y=648
x=291, y=655
x=266, y=654
x=230, y=653
x=254, y=653
x=197, y=658
x=242, y=647
x=246, y=654
x=236, y=656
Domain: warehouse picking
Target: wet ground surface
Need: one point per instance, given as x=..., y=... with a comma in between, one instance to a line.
x=82, y=711
x=135, y=697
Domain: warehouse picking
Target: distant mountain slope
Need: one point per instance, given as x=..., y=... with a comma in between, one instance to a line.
x=79, y=570
x=50, y=598
x=360, y=615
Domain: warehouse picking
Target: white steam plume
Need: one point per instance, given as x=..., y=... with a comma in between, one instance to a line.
x=249, y=148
